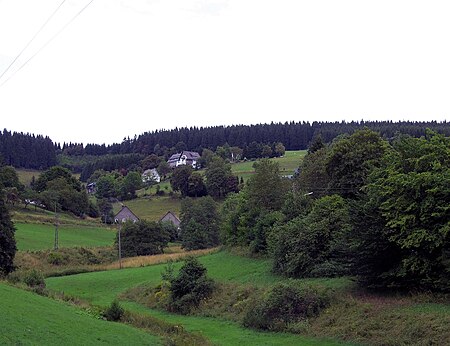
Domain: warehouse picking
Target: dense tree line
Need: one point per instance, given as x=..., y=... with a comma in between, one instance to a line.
x=261, y=140
x=294, y=135
x=110, y=163
x=26, y=150
x=360, y=206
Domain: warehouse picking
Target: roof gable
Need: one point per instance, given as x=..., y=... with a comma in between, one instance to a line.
x=125, y=214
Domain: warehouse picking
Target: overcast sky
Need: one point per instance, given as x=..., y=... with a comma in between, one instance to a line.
x=124, y=67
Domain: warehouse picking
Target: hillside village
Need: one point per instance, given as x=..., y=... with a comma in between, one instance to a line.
x=342, y=242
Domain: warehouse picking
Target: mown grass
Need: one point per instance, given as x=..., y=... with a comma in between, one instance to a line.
x=29, y=319
x=152, y=209
x=224, y=332
x=101, y=288
x=42, y=236
x=353, y=316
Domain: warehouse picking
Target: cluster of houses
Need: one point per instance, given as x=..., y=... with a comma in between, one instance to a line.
x=180, y=159
x=125, y=214
x=185, y=158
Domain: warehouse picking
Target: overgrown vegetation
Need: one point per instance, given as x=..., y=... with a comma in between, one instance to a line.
x=377, y=210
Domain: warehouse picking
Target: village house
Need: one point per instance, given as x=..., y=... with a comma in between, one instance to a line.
x=151, y=175
x=184, y=158
x=125, y=214
x=91, y=188
x=171, y=217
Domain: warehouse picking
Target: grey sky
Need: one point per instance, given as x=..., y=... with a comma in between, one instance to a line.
x=124, y=67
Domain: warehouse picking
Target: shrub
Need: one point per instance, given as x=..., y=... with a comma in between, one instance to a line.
x=34, y=278
x=56, y=258
x=114, y=312
x=286, y=304
x=190, y=287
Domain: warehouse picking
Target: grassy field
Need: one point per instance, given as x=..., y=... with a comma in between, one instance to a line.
x=356, y=317
x=152, y=209
x=164, y=186
x=26, y=175
x=288, y=163
x=40, y=237
x=31, y=214
x=29, y=319
x=101, y=288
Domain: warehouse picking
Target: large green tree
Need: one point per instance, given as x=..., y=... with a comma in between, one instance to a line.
x=199, y=223
x=180, y=179
x=219, y=179
x=315, y=245
x=7, y=239
x=265, y=188
x=351, y=159
x=57, y=187
x=142, y=238
x=412, y=193
x=130, y=183
x=313, y=176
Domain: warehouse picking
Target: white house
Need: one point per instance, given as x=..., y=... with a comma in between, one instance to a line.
x=184, y=158
x=151, y=175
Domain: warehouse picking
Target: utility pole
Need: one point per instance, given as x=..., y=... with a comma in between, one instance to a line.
x=120, y=248
x=56, y=230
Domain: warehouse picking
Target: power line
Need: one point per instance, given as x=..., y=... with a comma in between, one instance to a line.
x=32, y=39
x=49, y=41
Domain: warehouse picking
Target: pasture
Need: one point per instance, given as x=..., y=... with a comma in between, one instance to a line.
x=288, y=163
x=153, y=208
x=42, y=236
x=355, y=316
x=30, y=319
x=26, y=175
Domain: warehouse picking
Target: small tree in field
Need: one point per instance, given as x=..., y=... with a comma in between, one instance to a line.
x=190, y=286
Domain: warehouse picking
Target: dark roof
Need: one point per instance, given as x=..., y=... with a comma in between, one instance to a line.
x=126, y=213
x=171, y=217
x=190, y=155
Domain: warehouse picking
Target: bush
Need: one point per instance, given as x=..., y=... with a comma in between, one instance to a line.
x=286, y=304
x=34, y=278
x=114, y=312
x=56, y=258
x=190, y=287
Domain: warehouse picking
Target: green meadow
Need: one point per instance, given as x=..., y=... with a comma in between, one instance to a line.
x=100, y=288
x=288, y=164
x=30, y=319
x=42, y=236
